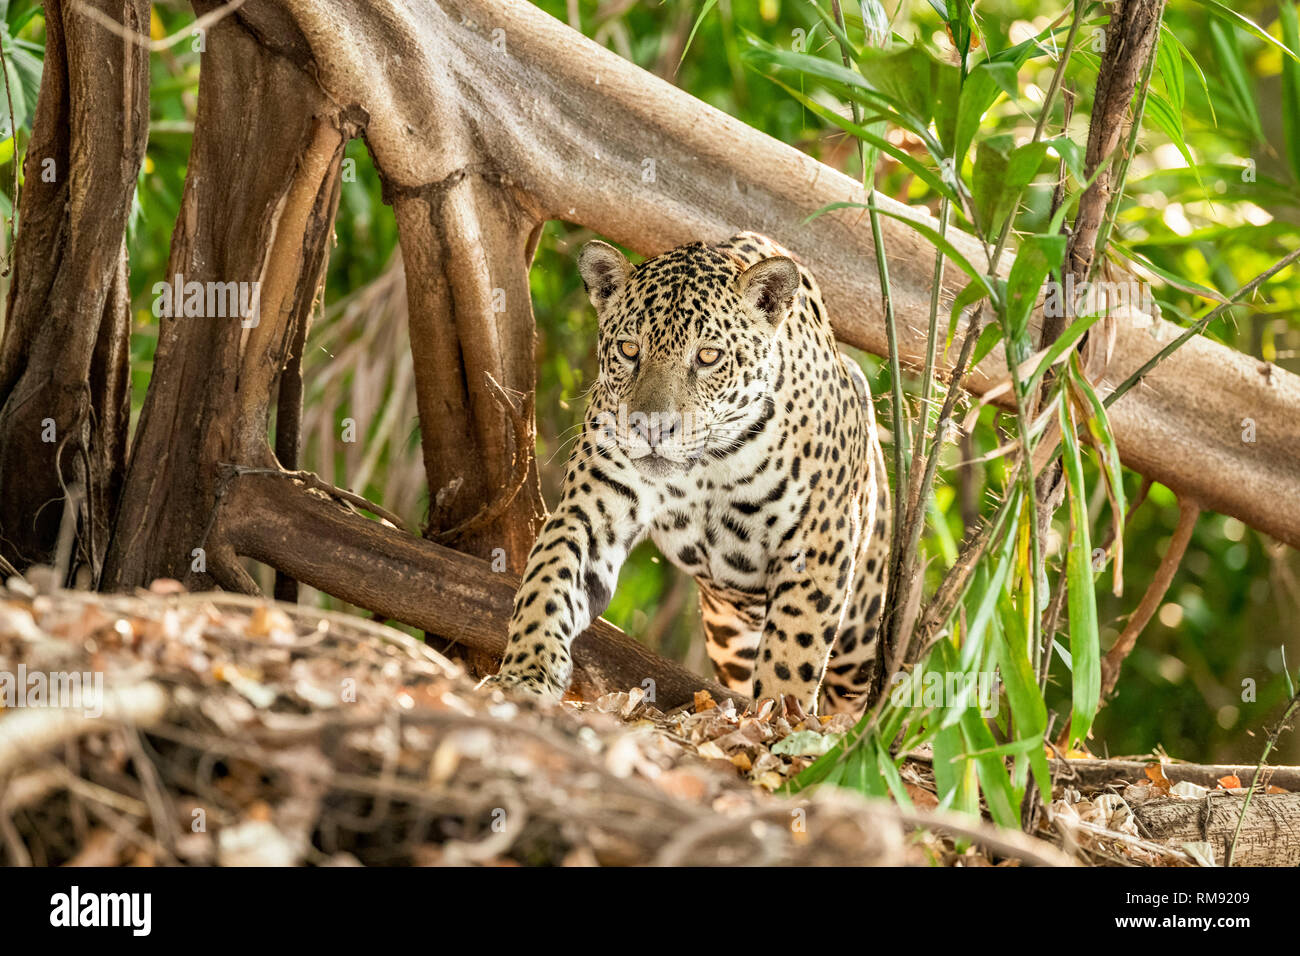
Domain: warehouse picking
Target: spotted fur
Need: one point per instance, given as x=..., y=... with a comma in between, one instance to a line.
x=726, y=425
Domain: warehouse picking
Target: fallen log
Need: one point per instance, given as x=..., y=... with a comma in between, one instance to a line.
x=1270, y=834
x=1089, y=776
x=276, y=520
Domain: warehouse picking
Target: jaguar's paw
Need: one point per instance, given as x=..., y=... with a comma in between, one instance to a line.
x=520, y=686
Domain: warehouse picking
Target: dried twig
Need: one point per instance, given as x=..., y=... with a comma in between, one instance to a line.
x=1188, y=512
x=157, y=46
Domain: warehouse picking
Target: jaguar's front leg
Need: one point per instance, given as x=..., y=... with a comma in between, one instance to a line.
x=806, y=599
x=571, y=572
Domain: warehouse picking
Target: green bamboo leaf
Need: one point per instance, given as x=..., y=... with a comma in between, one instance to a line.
x=876, y=140
x=981, y=89
x=917, y=83
x=1228, y=15
x=889, y=773
x=988, y=341
x=940, y=242
x=1068, y=338
x=1168, y=120
x=999, y=792
x=1196, y=67
x=938, y=524
x=1175, y=280
x=1028, y=709
x=1002, y=171
x=986, y=603
x=1290, y=22
x=1085, y=642
x=953, y=772
x=1112, y=469
x=1072, y=153
x=1037, y=256
x=704, y=12
x=968, y=296
x=1236, y=77
x=1170, y=65
x=844, y=82
x=862, y=772
x=1014, y=748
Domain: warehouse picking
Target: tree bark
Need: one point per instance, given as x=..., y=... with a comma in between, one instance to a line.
x=467, y=244
x=64, y=374
x=1270, y=835
x=212, y=385
x=1091, y=776
x=1131, y=36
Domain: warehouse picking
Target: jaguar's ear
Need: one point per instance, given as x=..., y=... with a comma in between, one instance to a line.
x=769, y=287
x=604, y=270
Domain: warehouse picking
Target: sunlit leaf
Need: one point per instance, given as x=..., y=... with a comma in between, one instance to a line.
x=1085, y=642
x=1002, y=171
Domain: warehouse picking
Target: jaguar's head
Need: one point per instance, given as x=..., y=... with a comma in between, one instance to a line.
x=685, y=347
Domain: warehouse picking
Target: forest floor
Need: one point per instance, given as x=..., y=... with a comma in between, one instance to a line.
x=215, y=729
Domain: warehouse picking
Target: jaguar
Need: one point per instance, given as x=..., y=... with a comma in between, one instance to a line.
x=726, y=426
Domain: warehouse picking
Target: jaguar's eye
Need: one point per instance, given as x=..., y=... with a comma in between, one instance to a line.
x=629, y=348
x=708, y=356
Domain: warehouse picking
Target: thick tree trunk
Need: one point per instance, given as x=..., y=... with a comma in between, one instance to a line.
x=211, y=391
x=64, y=373
x=466, y=244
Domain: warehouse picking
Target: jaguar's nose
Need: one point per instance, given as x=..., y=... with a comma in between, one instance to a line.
x=655, y=428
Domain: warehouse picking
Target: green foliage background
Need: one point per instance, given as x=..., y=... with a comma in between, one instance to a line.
x=1234, y=606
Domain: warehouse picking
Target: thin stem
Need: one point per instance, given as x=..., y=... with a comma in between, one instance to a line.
x=838, y=13
x=952, y=590
x=1046, y=112
x=1199, y=327
x=1023, y=423
x=916, y=515
x=899, y=423
x=922, y=478
x=13, y=134
x=932, y=339
x=1188, y=512
x=1273, y=736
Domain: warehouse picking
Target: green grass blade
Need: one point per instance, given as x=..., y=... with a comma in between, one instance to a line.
x=1085, y=642
x=704, y=12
